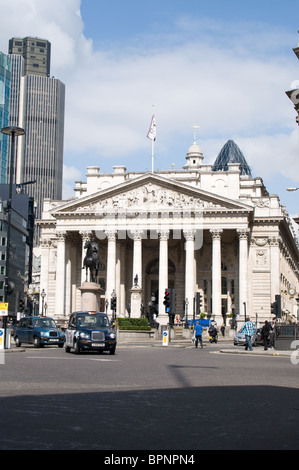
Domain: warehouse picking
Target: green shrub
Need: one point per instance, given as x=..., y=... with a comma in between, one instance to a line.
x=133, y=324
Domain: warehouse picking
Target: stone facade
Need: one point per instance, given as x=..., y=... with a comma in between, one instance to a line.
x=194, y=230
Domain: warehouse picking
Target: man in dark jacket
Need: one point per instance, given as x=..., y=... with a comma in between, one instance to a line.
x=265, y=332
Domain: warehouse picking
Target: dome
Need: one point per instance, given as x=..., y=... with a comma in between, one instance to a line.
x=194, y=150
x=194, y=157
x=231, y=153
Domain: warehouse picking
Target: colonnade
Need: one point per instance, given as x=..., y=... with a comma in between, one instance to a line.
x=63, y=270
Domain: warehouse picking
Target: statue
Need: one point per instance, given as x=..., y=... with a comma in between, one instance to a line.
x=92, y=259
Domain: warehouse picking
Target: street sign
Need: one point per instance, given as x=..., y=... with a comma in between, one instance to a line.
x=165, y=338
x=2, y=336
x=3, y=309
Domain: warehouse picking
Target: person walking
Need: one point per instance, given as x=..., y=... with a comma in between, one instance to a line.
x=265, y=332
x=249, y=329
x=198, y=334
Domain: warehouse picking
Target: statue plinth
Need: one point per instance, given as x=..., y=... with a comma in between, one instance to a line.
x=90, y=296
x=136, y=297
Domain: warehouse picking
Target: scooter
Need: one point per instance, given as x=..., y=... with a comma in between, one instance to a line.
x=213, y=335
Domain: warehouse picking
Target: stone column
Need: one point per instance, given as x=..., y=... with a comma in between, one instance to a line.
x=111, y=265
x=275, y=267
x=243, y=272
x=216, y=273
x=136, y=291
x=137, y=256
x=60, y=274
x=163, y=274
x=189, y=268
x=68, y=280
x=44, y=281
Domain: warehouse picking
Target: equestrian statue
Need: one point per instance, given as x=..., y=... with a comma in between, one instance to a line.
x=91, y=260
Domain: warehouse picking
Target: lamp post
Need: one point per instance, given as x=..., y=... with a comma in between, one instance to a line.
x=14, y=132
x=43, y=295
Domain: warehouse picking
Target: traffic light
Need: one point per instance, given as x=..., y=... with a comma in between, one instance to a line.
x=21, y=305
x=274, y=308
x=278, y=305
x=113, y=303
x=167, y=300
x=198, y=303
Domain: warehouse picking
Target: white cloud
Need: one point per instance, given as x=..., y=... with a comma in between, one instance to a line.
x=70, y=174
x=230, y=79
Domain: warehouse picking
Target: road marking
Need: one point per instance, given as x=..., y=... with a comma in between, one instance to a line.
x=74, y=358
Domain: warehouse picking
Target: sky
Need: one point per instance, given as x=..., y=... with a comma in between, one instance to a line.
x=222, y=65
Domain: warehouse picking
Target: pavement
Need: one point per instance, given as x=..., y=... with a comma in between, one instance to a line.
x=225, y=343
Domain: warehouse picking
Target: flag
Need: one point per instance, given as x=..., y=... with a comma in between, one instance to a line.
x=152, y=130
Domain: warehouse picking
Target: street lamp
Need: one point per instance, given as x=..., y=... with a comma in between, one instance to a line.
x=12, y=131
x=43, y=295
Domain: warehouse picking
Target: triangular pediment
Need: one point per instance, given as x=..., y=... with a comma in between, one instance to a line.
x=149, y=192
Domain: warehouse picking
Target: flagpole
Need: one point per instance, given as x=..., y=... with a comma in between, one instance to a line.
x=153, y=151
x=152, y=135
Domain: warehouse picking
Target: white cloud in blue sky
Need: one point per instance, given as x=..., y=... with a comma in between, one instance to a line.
x=222, y=65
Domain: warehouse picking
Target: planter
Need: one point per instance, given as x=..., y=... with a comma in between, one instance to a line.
x=140, y=336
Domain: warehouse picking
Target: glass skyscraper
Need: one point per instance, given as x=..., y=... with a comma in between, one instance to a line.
x=37, y=105
x=5, y=85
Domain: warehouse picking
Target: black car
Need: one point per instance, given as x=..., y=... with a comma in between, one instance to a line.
x=39, y=331
x=89, y=332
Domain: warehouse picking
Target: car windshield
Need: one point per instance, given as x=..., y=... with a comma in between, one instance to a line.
x=92, y=321
x=44, y=323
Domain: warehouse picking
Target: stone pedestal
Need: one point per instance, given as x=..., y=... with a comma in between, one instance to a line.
x=90, y=297
x=136, y=292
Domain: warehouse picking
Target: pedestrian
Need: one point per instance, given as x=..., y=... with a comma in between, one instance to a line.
x=222, y=329
x=272, y=332
x=198, y=334
x=265, y=332
x=249, y=329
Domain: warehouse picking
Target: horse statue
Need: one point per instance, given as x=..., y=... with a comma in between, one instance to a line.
x=91, y=260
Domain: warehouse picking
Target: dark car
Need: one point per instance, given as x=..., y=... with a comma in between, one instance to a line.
x=89, y=332
x=39, y=331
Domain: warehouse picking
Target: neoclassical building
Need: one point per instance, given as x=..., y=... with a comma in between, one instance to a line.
x=212, y=229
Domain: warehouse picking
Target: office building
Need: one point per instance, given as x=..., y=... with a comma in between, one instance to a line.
x=5, y=88
x=294, y=93
x=36, y=53
x=37, y=105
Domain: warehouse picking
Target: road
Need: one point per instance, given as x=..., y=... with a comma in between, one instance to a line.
x=148, y=398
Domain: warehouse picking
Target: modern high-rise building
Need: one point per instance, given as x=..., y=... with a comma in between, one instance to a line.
x=294, y=93
x=37, y=105
x=5, y=85
x=36, y=52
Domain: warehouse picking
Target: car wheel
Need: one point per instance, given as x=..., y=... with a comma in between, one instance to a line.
x=112, y=351
x=67, y=349
x=17, y=341
x=36, y=342
x=77, y=348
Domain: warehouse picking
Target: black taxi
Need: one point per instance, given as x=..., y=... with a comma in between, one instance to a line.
x=89, y=332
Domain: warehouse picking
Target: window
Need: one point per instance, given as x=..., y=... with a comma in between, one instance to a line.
x=224, y=286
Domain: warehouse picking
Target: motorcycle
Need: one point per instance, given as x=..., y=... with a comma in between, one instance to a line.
x=213, y=334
